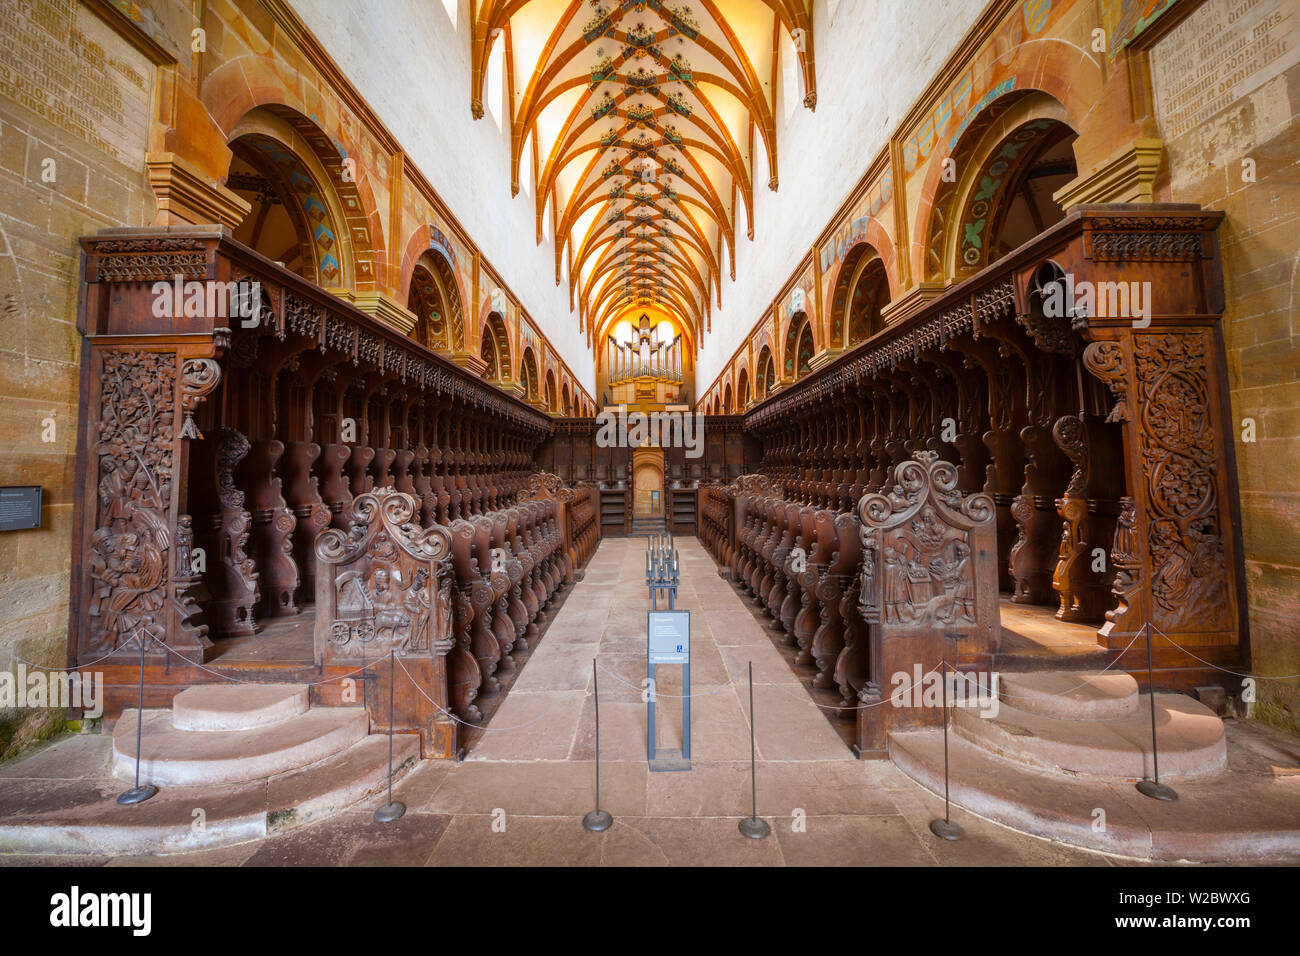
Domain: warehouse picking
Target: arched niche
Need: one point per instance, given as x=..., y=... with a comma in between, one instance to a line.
x=1010, y=161
x=434, y=296
x=861, y=291
x=528, y=375
x=306, y=210
x=494, y=349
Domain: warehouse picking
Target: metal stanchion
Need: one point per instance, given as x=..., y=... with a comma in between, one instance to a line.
x=138, y=793
x=598, y=819
x=1153, y=788
x=945, y=828
x=390, y=811
x=752, y=826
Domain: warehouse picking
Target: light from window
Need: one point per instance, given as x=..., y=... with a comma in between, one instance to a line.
x=496, y=80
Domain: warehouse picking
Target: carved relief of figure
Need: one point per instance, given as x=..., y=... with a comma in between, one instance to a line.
x=896, y=586
x=959, y=584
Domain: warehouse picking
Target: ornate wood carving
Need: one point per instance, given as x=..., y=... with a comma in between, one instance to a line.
x=928, y=585
x=130, y=549
x=1189, y=578
x=384, y=585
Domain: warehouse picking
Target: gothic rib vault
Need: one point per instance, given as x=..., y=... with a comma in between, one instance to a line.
x=635, y=125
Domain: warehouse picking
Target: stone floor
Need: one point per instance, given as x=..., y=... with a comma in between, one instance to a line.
x=520, y=794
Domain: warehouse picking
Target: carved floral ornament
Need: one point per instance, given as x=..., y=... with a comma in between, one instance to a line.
x=130, y=547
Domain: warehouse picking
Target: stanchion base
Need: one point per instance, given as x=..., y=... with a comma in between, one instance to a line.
x=754, y=828
x=668, y=761
x=946, y=829
x=597, y=820
x=390, y=812
x=1156, y=791
x=137, y=794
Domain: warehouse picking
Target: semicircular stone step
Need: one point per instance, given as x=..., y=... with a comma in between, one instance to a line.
x=1071, y=695
x=207, y=707
x=1189, y=734
x=83, y=815
x=184, y=758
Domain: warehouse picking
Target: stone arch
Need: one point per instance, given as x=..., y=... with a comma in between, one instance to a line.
x=292, y=220
x=494, y=348
x=429, y=249
x=566, y=399
x=868, y=235
x=995, y=157
x=433, y=294
x=859, y=291
x=807, y=348
x=342, y=192
x=742, y=390
x=528, y=374
x=766, y=379
x=551, y=397
x=726, y=399
x=797, y=321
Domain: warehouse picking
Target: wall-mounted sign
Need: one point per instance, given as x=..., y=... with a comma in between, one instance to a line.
x=20, y=507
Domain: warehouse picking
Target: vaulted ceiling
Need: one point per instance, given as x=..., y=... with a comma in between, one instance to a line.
x=633, y=125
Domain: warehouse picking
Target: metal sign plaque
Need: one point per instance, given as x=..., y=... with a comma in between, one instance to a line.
x=670, y=637
x=668, y=641
x=20, y=507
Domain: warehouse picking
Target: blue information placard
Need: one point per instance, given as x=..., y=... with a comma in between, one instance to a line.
x=670, y=637
x=668, y=641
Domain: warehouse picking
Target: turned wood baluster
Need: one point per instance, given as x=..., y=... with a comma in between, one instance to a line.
x=333, y=483
x=271, y=538
x=403, y=480
x=463, y=672
x=503, y=530
x=527, y=589
x=503, y=628
x=302, y=495
x=483, y=642
x=791, y=595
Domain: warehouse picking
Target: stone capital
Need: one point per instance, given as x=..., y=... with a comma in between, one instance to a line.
x=187, y=197
x=1127, y=176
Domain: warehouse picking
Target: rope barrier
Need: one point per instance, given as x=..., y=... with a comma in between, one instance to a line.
x=466, y=723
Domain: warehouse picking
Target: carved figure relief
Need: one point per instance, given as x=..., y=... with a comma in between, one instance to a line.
x=130, y=546
x=917, y=567
x=384, y=585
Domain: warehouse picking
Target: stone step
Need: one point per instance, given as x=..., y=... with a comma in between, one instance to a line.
x=207, y=707
x=88, y=818
x=1071, y=695
x=1206, y=823
x=1189, y=734
x=175, y=757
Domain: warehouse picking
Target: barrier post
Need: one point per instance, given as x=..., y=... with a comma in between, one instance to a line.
x=138, y=794
x=390, y=811
x=598, y=819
